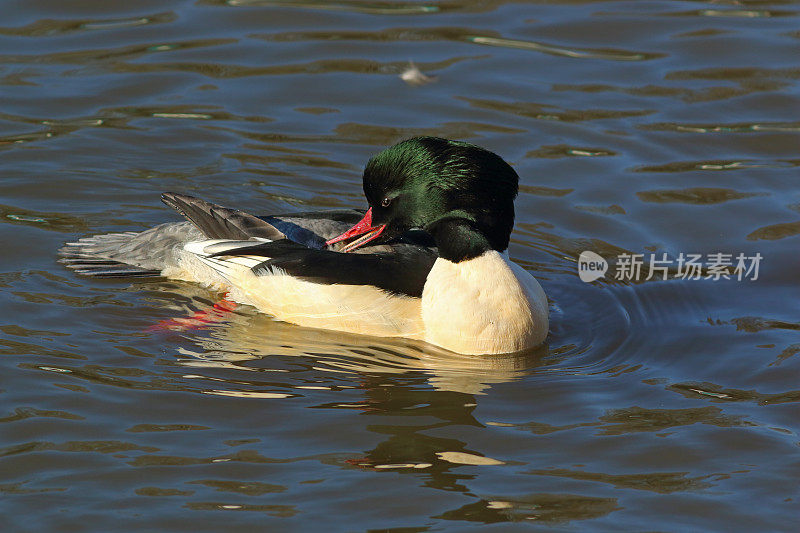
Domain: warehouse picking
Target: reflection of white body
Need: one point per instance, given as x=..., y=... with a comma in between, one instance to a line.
x=484, y=305
x=247, y=335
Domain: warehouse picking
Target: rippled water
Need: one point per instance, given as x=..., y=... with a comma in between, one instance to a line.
x=636, y=127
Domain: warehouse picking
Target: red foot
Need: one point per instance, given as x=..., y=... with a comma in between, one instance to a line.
x=198, y=320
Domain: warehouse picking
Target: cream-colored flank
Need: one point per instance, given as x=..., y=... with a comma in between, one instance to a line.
x=484, y=305
x=360, y=309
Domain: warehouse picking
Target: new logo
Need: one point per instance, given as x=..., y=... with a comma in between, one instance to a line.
x=591, y=266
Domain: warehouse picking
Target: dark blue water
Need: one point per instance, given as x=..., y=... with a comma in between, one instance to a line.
x=636, y=127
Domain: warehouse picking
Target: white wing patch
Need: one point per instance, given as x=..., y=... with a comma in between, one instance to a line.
x=226, y=265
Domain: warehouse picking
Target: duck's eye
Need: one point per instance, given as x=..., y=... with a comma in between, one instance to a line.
x=386, y=201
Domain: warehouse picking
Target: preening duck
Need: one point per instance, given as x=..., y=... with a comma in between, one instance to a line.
x=427, y=260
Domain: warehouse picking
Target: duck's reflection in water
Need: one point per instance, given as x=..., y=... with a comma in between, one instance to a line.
x=419, y=400
x=245, y=340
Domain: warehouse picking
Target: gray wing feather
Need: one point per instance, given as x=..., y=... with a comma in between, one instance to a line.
x=217, y=222
x=313, y=229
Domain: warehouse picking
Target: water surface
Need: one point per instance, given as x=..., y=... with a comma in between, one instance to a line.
x=636, y=127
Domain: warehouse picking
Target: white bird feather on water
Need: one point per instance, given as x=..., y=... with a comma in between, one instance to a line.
x=414, y=76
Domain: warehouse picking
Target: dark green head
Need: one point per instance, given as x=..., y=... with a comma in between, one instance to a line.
x=460, y=193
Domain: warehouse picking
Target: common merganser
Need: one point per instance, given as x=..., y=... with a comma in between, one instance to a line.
x=427, y=260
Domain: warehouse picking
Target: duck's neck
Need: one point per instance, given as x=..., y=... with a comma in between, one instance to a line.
x=459, y=240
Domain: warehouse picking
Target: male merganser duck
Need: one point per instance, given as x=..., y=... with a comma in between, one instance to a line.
x=428, y=257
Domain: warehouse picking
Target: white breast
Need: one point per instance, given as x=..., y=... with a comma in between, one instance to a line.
x=484, y=305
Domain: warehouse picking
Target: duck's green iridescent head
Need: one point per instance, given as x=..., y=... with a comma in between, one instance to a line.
x=463, y=195
x=449, y=188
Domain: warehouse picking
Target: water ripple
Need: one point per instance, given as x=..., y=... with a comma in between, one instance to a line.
x=54, y=27
x=694, y=195
x=734, y=13
x=453, y=33
x=718, y=165
x=736, y=127
x=577, y=53
x=99, y=55
x=373, y=7
x=553, y=112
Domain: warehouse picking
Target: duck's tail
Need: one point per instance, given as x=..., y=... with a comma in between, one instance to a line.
x=93, y=256
x=142, y=254
x=161, y=249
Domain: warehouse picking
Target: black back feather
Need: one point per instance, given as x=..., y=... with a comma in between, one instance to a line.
x=401, y=271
